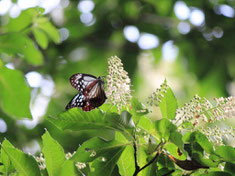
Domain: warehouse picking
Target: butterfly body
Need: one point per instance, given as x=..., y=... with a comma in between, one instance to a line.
x=91, y=92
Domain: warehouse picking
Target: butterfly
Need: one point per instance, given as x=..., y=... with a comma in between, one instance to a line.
x=91, y=92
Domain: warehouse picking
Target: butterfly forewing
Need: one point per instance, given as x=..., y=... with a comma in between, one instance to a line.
x=80, y=81
x=91, y=92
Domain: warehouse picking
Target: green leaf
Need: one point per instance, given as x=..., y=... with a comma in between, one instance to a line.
x=105, y=164
x=96, y=147
x=53, y=153
x=126, y=163
x=138, y=109
x=146, y=124
x=226, y=152
x=14, y=93
x=164, y=127
x=25, y=19
x=68, y=168
x=24, y=164
x=4, y=157
x=216, y=173
x=49, y=29
x=168, y=105
x=204, y=142
x=103, y=125
x=229, y=167
x=40, y=37
x=21, y=46
x=203, y=161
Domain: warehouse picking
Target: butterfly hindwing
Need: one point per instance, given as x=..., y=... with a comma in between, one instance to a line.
x=77, y=101
x=91, y=92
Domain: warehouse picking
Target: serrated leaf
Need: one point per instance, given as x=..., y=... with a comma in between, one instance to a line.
x=96, y=147
x=226, y=152
x=53, y=153
x=168, y=105
x=103, y=124
x=24, y=164
x=14, y=93
x=40, y=37
x=22, y=46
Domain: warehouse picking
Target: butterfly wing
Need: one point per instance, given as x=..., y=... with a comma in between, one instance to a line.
x=80, y=81
x=77, y=101
x=95, y=95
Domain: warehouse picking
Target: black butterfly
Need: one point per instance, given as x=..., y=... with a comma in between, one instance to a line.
x=91, y=92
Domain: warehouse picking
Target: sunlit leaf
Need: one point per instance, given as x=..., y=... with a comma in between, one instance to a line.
x=14, y=93
x=25, y=20
x=20, y=45
x=216, y=173
x=40, y=37
x=226, y=152
x=49, y=29
x=95, y=148
x=4, y=157
x=168, y=105
x=164, y=127
x=25, y=164
x=68, y=168
x=53, y=153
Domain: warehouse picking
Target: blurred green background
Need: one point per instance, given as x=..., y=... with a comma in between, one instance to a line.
x=190, y=43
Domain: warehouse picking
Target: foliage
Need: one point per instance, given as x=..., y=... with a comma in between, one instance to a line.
x=120, y=138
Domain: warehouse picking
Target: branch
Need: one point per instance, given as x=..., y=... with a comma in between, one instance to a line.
x=137, y=168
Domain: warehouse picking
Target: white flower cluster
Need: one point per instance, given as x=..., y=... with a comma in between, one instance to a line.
x=41, y=161
x=118, y=83
x=200, y=111
x=155, y=97
x=216, y=134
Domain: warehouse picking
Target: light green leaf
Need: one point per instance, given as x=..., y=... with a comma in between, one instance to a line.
x=146, y=124
x=49, y=29
x=14, y=93
x=96, y=147
x=25, y=19
x=126, y=162
x=54, y=154
x=226, y=152
x=4, y=157
x=40, y=37
x=24, y=164
x=69, y=169
x=168, y=105
x=22, y=46
x=164, y=128
x=103, y=124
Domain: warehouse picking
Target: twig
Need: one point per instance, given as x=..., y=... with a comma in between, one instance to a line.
x=137, y=168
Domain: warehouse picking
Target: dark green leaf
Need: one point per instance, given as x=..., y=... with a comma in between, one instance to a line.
x=14, y=93
x=22, y=46
x=203, y=161
x=53, y=153
x=96, y=147
x=40, y=37
x=229, y=167
x=226, y=152
x=105, y=164
x=216, y=173
x=168, y=105
x=24, y=164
